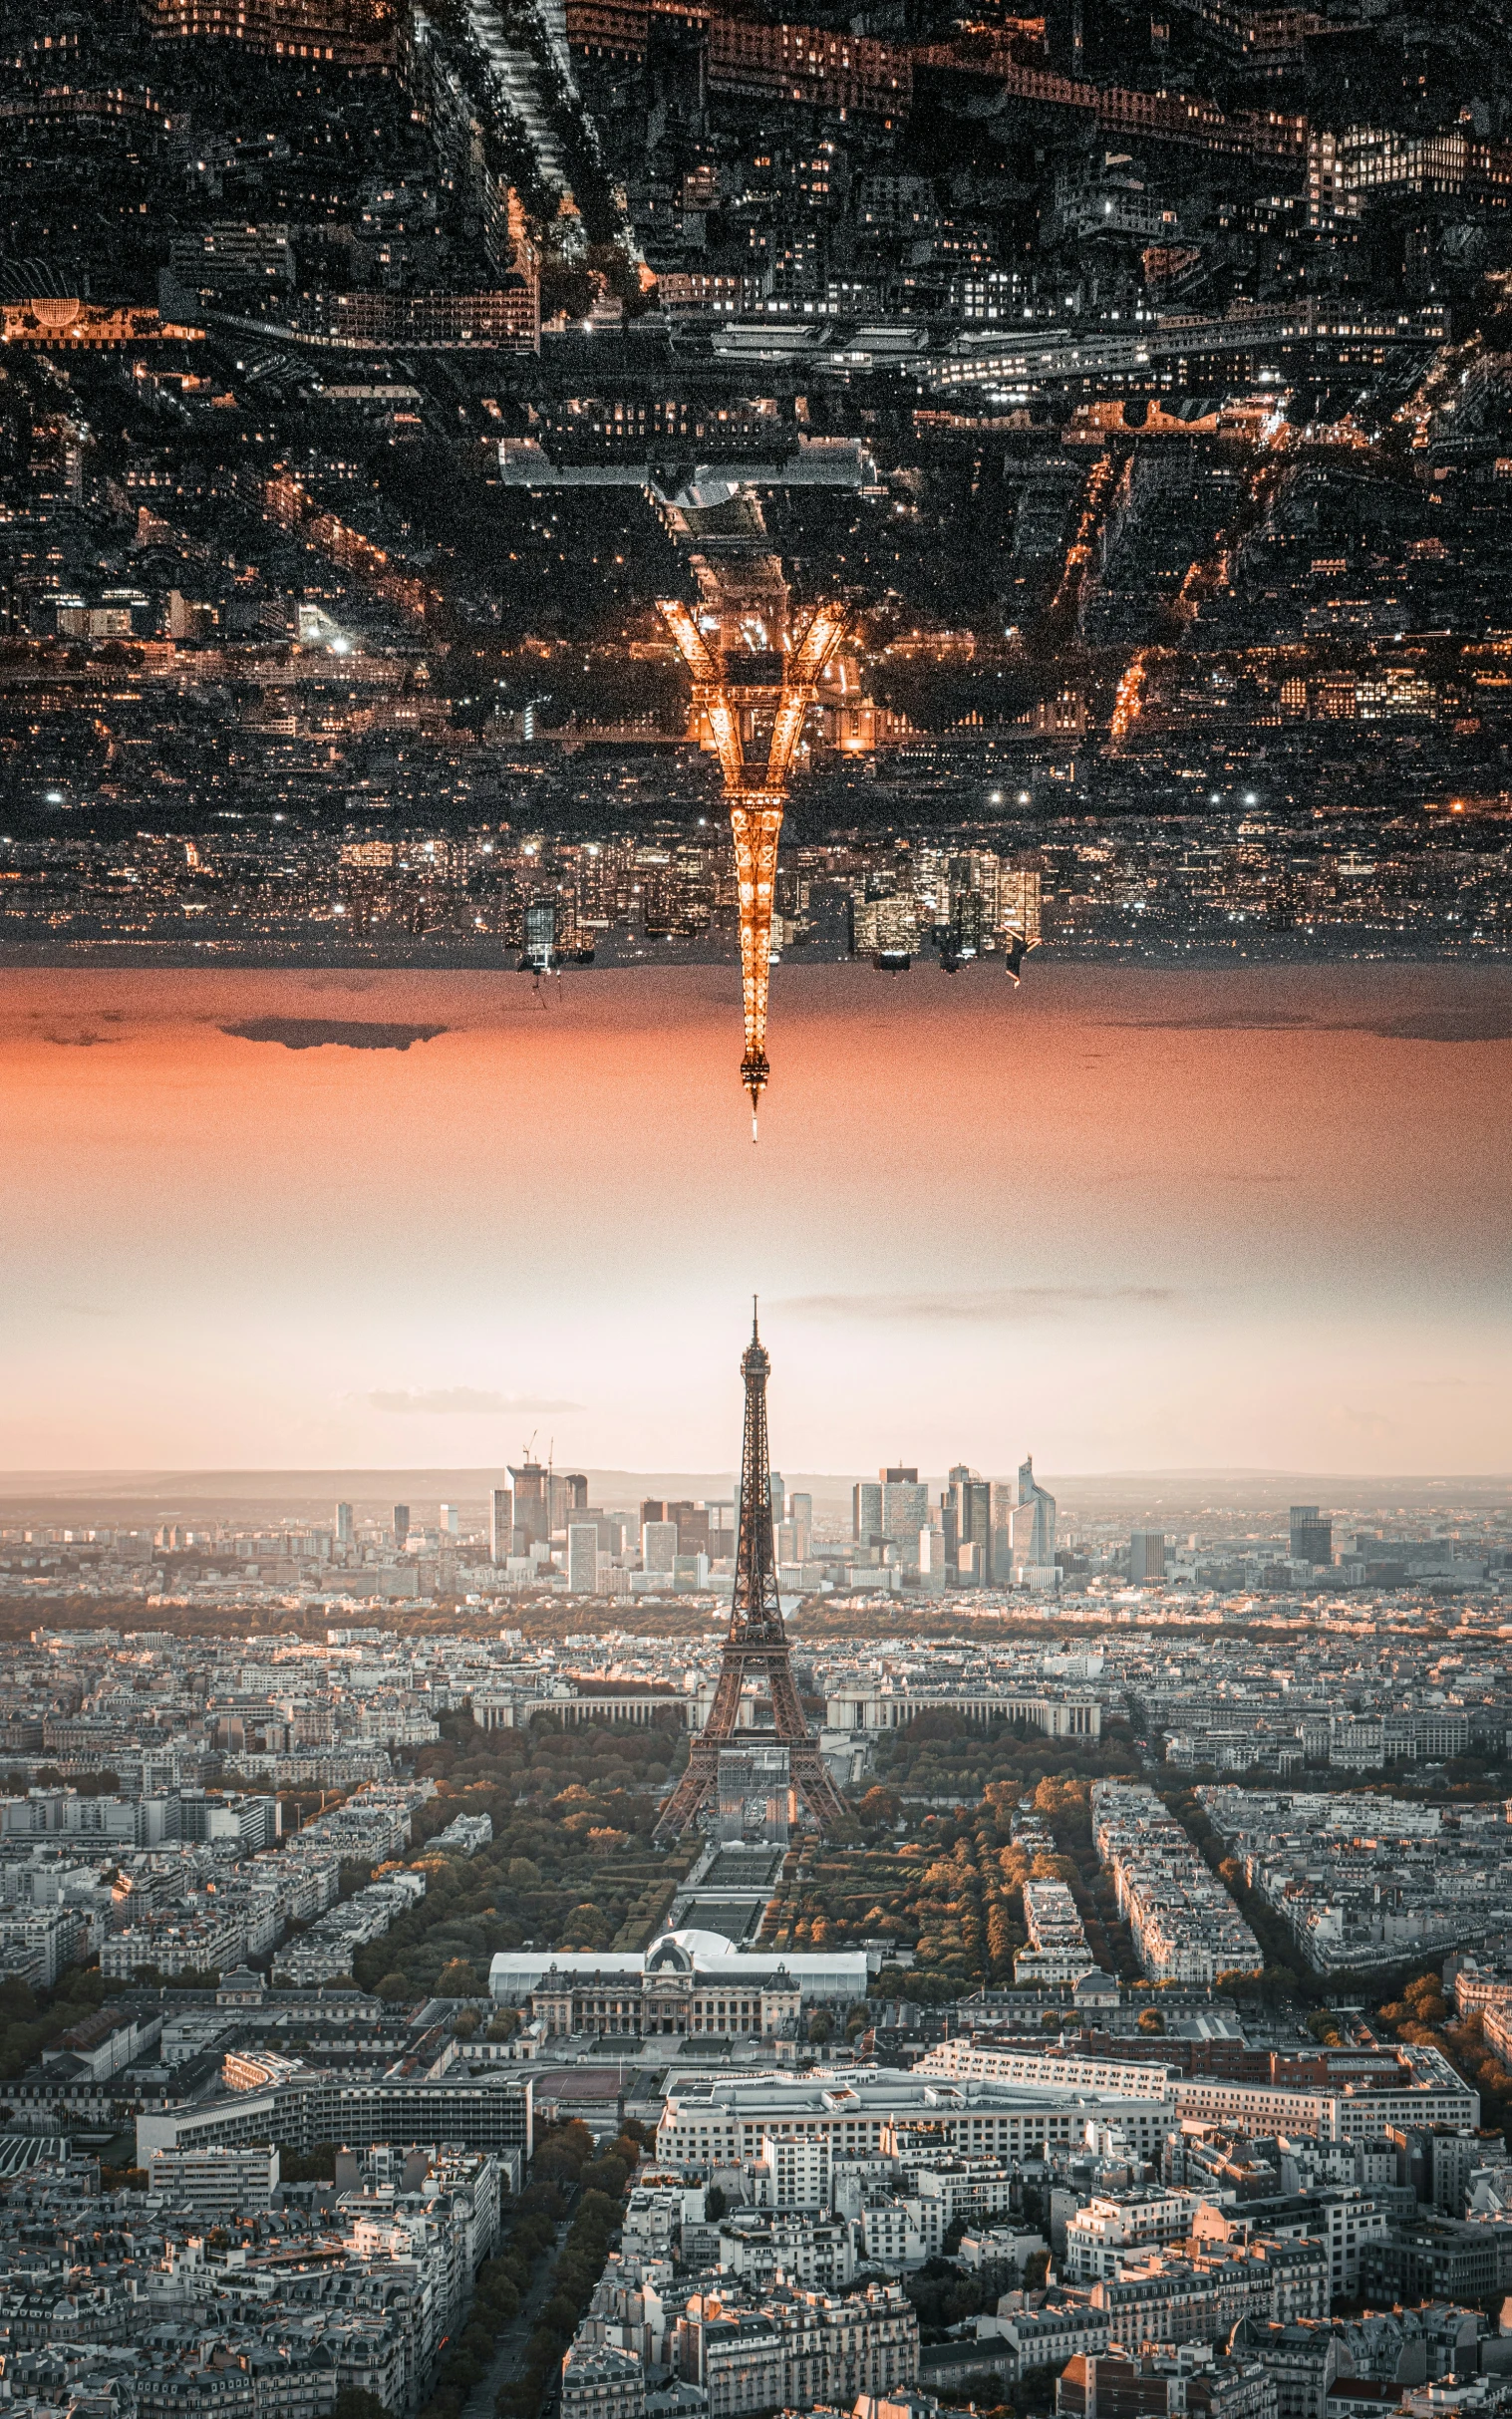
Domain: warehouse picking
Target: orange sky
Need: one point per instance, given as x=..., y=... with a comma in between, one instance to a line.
x=1115, y=1216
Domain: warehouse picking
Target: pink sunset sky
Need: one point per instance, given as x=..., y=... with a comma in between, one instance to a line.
x=1129, y=1219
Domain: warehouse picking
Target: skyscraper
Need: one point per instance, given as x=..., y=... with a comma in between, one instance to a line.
x=905, y=1511
x=582, y=1557
x=1035, y=1522
x=532, y=1508
x=1004, y=1500
x=501, y=1524
x=1147, y=1555
x=800, y=1521
x=866, y=1509
x=448, y=1520
x=401, y=1524
x=1312, y=1536
x=659, y=1546
x=966, y=1518
x=568, y=1494
x=344, y=1524
x=690, y=1519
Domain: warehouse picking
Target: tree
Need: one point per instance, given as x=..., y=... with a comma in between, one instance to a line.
x=820, y=2025
x=523, y=1873
x=1151, y=2021
x=317, y=2166
x=458, y=1981
x=352, y=2404
x=397, y=1989
x=715, y=2204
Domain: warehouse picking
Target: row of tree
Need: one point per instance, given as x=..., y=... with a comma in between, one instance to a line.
x=566, y=2157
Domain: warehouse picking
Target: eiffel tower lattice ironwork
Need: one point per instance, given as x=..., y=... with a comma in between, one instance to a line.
x=755, y=1645
x=755, y=794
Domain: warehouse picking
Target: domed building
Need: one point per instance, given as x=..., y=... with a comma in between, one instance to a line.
x=686, y=1986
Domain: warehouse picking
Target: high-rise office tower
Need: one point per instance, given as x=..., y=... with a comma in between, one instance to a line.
x=448, y=1520
x=800, y=1521
x=966, y=1518
x=1147, y=1555
x=947, y=1525
x=693, y=1529
x=1312, y=1536
x=690, y=1520
x=582, y=1557
x=401, y=1524
x=866, y=1509
x=779, y=1500
x=658, y=1545
x=905, y=1511
x=569, y=1494
x=344, y=1524
x=1038, y=1534
x=532, y=1507
x=501, y=1524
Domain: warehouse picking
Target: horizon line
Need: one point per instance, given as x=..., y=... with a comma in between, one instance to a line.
x=1214, y=1471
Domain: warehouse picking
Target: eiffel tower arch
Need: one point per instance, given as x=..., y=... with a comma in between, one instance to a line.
x=755, y=1645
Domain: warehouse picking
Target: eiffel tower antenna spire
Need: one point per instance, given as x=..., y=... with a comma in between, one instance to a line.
x=756, y=1644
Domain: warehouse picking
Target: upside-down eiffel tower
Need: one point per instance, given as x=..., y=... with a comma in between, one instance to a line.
x=755, y=792
x=756, y=1643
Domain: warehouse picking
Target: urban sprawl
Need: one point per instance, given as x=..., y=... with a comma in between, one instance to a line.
x=1141, y=2026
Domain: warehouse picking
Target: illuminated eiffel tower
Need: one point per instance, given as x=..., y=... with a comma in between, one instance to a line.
x=755, y=792
x=756, y=1643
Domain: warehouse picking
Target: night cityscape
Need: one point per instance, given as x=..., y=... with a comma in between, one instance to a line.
x=1136, y=387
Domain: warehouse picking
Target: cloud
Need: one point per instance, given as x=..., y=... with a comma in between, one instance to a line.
x=454, y=1400
x=1479, y=1021
x=330, y=1033
x=80, y=1039
x=996, y=1306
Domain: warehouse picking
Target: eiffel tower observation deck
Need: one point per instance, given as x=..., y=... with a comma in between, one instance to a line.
x=756, y=1647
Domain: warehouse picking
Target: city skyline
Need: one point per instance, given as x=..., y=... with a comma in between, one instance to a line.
x=1127, y=1220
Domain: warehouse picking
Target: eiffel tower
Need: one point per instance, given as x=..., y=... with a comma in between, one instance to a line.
x=756, y=1643
x=755, y=792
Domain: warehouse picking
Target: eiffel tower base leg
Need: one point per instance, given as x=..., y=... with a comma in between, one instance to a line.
x=811, y=1778
x=807, y=1770
x=697, y=1785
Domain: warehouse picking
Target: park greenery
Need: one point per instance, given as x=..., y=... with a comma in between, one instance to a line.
x=948, y=1883
x=32, y=2020
x=571, y=1864
x=1424, y=2013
